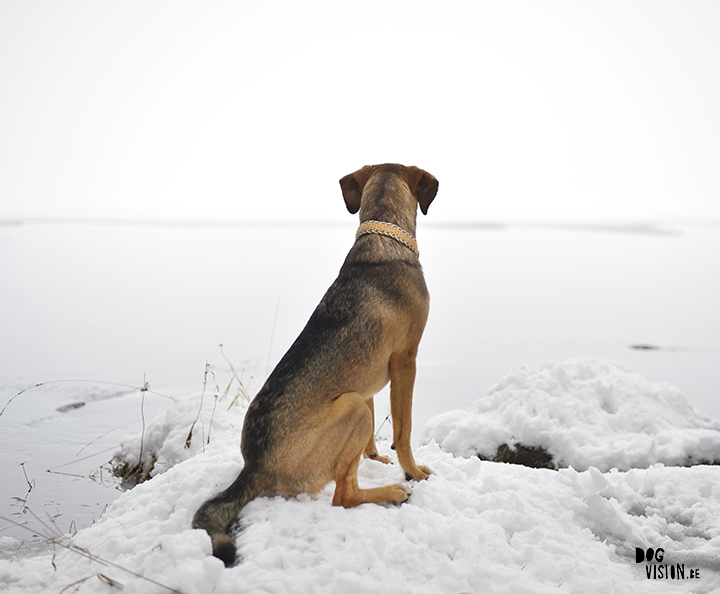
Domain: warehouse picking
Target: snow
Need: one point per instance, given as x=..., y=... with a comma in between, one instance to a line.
x=473, y=526
x=181, y=432
x=585, y=413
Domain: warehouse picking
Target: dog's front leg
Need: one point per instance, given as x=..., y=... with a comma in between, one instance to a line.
x=371, y=448
x=402, y=381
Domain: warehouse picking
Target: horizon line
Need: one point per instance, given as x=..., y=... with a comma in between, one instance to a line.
x=658, y=226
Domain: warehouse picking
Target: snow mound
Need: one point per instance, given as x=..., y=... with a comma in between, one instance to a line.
x=178, y=434
x=584, y=413
x=474, y=526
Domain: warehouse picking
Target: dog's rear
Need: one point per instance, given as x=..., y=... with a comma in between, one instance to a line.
x=312, y=420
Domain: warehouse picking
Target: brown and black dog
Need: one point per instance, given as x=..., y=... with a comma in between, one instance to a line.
x=313, y=419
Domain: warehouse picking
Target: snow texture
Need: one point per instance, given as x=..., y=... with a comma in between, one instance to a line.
x=585, y=413
x=473, y=526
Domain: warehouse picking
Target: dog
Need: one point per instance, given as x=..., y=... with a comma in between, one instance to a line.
x=313, y=419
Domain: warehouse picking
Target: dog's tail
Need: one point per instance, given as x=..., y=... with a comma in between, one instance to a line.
x=217, y=515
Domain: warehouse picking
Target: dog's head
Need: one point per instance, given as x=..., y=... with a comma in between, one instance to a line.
x=422, y=185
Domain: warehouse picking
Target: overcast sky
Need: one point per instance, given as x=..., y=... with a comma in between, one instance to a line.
x=524, y=110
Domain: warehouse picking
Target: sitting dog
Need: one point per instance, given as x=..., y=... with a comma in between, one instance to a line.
x=313, y=419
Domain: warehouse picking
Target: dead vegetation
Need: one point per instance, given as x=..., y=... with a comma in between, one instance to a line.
x=133, y=473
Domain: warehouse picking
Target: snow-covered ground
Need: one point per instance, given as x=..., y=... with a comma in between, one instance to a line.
x=474, y=526
x=586, y=414
x=128, y=305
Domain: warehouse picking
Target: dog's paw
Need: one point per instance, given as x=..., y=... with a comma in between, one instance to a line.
x=399, y=494
x=419, y=473
x=379, y=458
x=428, y=471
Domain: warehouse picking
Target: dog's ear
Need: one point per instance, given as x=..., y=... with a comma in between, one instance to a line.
x=352, y=187
x=424, y=187
x=352, y=192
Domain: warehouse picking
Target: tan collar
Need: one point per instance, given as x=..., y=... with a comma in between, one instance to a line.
x=388, y=230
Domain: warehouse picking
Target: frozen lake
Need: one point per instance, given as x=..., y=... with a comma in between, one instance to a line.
x=106, y=307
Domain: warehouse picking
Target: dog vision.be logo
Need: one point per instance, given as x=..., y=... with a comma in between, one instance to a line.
x=658, y=568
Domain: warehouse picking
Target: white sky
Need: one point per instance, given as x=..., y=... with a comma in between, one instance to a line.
x=583, y=111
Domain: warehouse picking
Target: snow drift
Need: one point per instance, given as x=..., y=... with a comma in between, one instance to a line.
x=474, y=526
x=584, y=413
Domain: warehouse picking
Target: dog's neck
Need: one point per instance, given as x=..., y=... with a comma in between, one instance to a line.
x=388, y=230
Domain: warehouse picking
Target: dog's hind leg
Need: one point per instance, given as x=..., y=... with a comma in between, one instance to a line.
x=349, y=494
x=356, y=424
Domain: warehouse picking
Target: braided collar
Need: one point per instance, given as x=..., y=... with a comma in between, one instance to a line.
x=388, y=230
